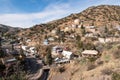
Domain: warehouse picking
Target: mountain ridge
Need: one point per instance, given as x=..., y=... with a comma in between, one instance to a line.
x=5, y=29
x=102, y=15
x=92, y=14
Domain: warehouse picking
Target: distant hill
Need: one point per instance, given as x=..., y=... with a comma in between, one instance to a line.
x=8, y=29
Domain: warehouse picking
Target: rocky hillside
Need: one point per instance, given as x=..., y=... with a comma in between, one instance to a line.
x=99, y=16
x=95, y=15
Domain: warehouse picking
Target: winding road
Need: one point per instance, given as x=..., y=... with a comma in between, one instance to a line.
x=34, y=67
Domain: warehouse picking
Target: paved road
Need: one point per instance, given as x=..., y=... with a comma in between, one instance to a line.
x=45, y=75
x=34, y=68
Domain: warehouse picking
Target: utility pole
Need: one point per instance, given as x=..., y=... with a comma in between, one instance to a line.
x=0, y=42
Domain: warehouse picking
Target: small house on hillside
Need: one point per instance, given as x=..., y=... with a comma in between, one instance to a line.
x=77, y=21
x=46, y=42
x=33, y=50
x=56, y=50
x=53, y=31
x=89, y=35
x=17, y=46
x=118, y=28
x=89, y=53
x=67, y=54
x=51, y=39
x=24, y=47
x=108, y=39
x=28, y=40
x=90, y=27
x=29, y=50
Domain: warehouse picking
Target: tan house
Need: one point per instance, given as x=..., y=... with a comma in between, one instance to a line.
x=109, y=39
x=90, y=29
x=89, y=53
x=77, y=21
x=53, y=31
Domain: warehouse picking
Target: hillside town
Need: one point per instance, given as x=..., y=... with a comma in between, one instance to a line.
x=18, y=54
x=75, y=50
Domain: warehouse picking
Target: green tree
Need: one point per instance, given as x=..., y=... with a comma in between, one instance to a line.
x=48, y=57
x=106, y=29
x=61, y=36
x=80, y=44
x=58, y=31
x=83, y=30
x=78, y=38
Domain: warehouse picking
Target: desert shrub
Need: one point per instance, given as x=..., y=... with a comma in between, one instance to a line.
x=92, y=59
x=99, y=62
x=91, y=66
x=93, y=38
x=20, y=76
x=83, y=61
x=116, y=53
x=108, y=46
x=106, y=71
x=61, y=69
x=79, y=44
x=115, y=76
x=89, y=46
x=106, y=58
x=99, y=47
x=118, y=46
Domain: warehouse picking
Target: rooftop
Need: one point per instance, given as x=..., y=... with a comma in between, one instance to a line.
x=90, y=52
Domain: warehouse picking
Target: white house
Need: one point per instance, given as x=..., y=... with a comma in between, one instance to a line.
x=118, y=27
x=73, y=26
x=45, y=42
x=32, y=49
x=56, y=50
x=67, y=54
x=66, y=29
x=24, y=47
x=28, y=40
x=51, y=39
x=72, y=36
x=89, y=35
x=90, y=27
x=109, y=39
x=101, y=40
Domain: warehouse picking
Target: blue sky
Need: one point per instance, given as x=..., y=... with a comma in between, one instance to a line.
x=26, y=13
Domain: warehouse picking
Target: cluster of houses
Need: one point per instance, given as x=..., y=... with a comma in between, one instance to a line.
x=29, y=50
x=14, y=48
x=94, y=32
x=58, y=52
x=61, y=55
